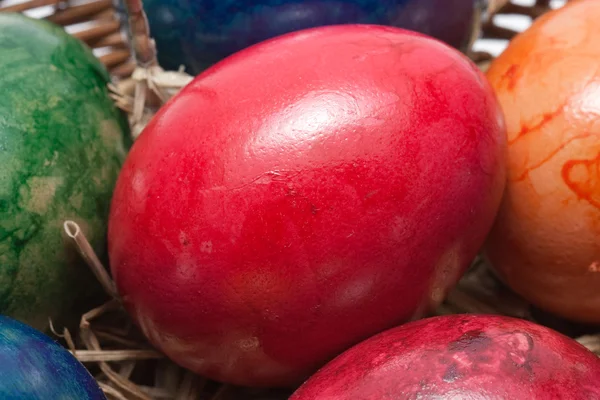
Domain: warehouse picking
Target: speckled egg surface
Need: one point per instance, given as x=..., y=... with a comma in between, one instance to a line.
x=34, y=367
x=460, y=357
x=62, y=142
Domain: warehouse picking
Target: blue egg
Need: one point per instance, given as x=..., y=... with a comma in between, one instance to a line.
x=34, y=367
x=198, y=33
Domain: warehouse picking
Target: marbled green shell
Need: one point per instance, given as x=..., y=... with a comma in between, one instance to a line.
x=62, y=143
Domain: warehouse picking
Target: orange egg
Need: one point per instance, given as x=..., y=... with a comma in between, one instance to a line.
x=546, y=240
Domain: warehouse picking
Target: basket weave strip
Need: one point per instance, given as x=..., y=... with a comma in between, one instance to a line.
x=93, y=21
x=102, y=26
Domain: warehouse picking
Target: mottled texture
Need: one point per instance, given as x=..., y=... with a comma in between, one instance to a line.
x=546, y=242
x=61, y=148
x=466, y=357
x=33, y=367
x=198, y=33
x=268, y=218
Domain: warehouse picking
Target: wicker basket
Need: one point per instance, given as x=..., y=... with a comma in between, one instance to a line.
x=97, y=24
x=124, y=364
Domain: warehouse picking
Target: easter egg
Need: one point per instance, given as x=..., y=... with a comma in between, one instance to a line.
x=546, y=242
x=62, y=142
x=33, y=367
x=268, y=218
x=460, y=357
x=201, y=32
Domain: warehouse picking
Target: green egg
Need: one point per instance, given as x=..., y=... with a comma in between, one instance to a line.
x=62, y=144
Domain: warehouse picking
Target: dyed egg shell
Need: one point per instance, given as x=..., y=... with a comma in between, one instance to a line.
x=34, y=367
x=198, y=33
x=477, y=357
x=546, y=242
x=62, y=142
x=269, y=218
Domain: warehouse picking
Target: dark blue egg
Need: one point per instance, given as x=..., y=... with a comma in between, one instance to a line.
x=198, y=33
x=33, y=366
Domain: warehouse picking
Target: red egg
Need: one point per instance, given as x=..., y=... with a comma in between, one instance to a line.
x=303, y=195
x=475, y=357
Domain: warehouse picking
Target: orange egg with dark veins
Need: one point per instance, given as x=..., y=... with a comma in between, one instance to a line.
x=546, y=240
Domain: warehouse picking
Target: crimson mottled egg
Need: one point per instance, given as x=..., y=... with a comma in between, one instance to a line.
x=475, y=357
x=302, y=195
x=546, y=242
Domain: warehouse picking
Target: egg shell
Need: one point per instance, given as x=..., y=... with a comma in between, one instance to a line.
x=34, y=367
x=303, y=195
x=201, y=32
x=460, y=357
x=62, y=143
x=546, y=242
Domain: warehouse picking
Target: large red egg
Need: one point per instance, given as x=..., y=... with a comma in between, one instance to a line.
x=303, y=195
x=470, y=357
